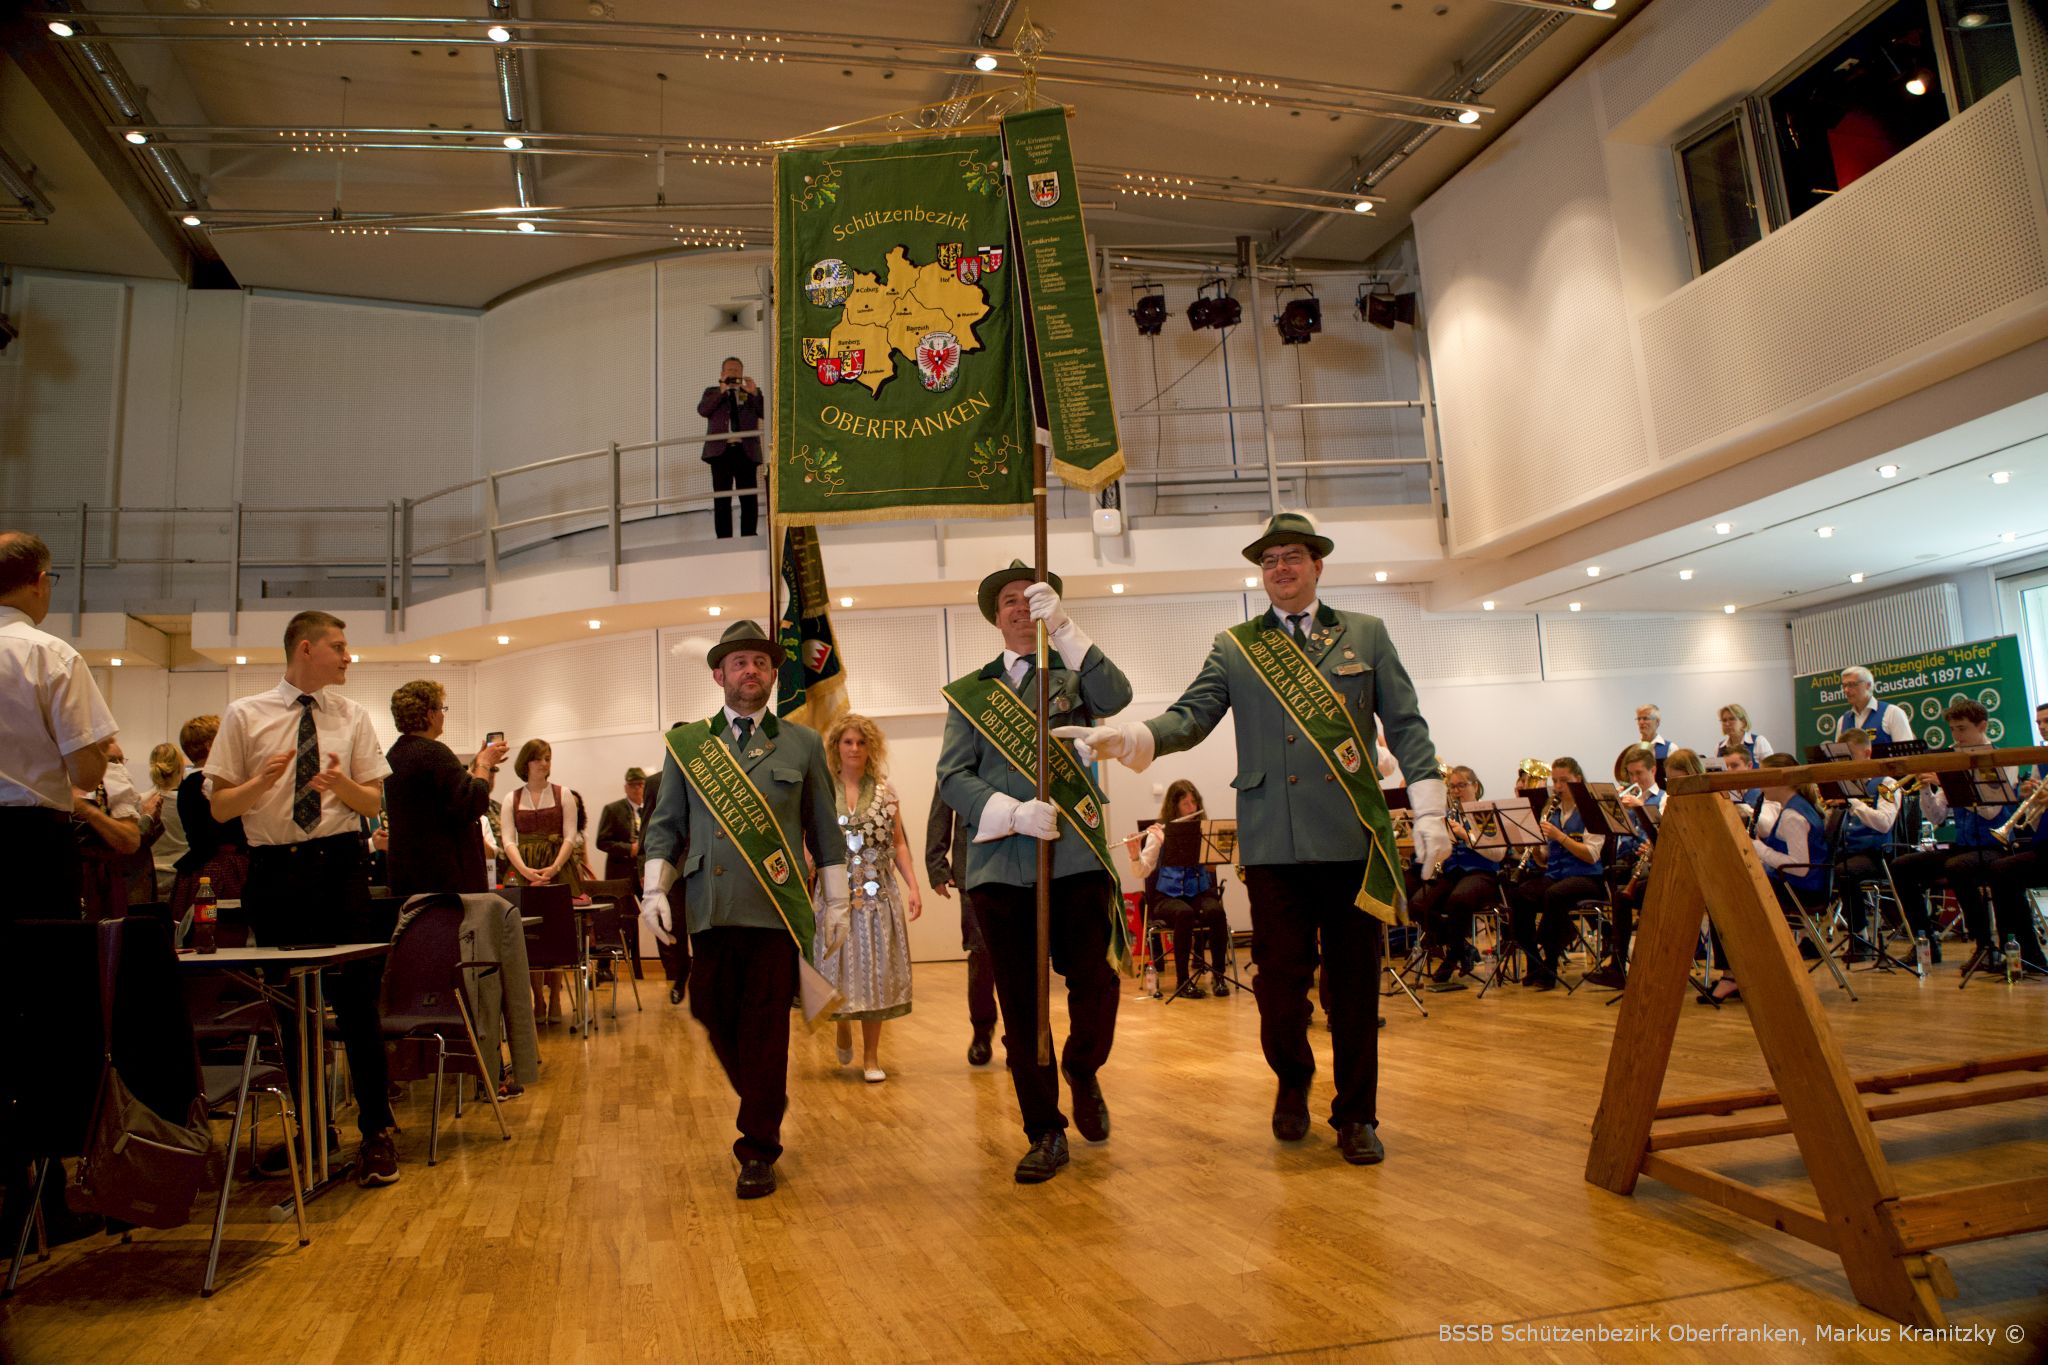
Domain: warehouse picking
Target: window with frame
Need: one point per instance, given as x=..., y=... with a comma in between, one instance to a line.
x=1903, y=70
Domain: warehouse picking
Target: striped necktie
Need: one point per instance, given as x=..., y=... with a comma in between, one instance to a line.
x=306, y=801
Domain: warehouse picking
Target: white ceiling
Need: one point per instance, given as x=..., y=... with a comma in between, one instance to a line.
x=1410, y=46
x=1941, y=513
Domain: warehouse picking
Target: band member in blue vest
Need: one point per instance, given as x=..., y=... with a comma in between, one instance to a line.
x=1572, y=873
x=1968, y=858
x=1866, y=838
x=1468, y=883
x=1888, y=723
x=1187, y=897
x=1735, y=730
x=1629, y=874
x=1648, y=719
x=1790, y=839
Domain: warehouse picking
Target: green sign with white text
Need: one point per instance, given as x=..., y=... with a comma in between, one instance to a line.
x=1987, y=671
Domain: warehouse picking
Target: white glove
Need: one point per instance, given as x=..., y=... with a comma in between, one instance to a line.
x=1036, y=820
x=1045, y=606
x=1432, y=836
x=832, y=910
x=654, y=913
x=1129, y=742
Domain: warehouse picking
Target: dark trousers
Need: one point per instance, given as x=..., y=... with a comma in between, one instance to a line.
x=319, y=892
x=43, y=867
x=1852, y=874
x=733, y=469
x=741, y=983
x=1204, y=912
x=675, y=960
x=1446, y=904
x=981, y=973
x=1627, y=904
x=1543, y=917
x=1079, y=934
x=1305, y=915
x=1915, y=874
x=2009, y=879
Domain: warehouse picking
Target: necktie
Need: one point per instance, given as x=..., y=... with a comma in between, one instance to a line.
x=306, y=801
x=1300, y=635
x=742, y=731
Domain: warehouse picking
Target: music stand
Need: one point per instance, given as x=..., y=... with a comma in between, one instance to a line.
x=1204, y=844
x=1982, y=787
x=1516, y=821
x=1876, y=936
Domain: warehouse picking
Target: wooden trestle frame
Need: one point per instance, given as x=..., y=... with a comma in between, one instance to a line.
x=1704, y=863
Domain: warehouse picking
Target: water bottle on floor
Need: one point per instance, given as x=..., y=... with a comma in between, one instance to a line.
x=1151, y=983
x=2012, y=958
x=1923, y=955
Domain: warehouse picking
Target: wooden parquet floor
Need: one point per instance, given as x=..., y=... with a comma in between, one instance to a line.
x=606, y=1230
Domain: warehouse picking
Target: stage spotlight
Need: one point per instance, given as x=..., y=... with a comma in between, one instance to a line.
x=1150, y=312
x=1384, y=310
x=1217, y=313
x=1300, y=320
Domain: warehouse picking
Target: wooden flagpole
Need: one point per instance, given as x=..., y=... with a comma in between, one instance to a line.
x=1038, y=569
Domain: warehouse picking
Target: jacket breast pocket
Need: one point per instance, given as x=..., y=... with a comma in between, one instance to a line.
x=786, y=775
x=1355, y=687
x=1248, y=784
x=690, y=866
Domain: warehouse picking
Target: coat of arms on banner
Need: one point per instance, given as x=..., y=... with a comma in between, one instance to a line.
x=1089, y=812
x=991, y=258
x=777, y=867
x=968, y=269
x=1045, y=189
x=829, y=283
x=1347, y=754
x=816, y=349
x=949, y=255
x=816, y=652
x=852, y=359
x=938, y=360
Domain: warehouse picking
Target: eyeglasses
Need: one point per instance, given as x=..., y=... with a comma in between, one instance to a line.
x=52, y=575
x=1285, y=557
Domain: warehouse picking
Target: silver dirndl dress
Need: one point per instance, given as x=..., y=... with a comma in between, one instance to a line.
x=872, y=968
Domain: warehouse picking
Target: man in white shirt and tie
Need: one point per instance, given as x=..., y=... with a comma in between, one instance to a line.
x=299, y=764
x=54, y=733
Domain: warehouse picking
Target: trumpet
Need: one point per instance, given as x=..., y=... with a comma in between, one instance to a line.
x=2023, y=819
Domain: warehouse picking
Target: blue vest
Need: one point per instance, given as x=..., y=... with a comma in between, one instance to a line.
x=1847, y=721
x=1184, y=883
x=1632, y=846
x=1465, y=858
x=1815, y=854
x=1858, y=837
x=1560, y=864
x=1974, y=830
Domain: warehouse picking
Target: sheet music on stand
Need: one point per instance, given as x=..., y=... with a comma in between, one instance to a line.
x=1513, y=818
x=1198, y=843
x=1835, y=750
x=1977, y=786
x=1599, y=805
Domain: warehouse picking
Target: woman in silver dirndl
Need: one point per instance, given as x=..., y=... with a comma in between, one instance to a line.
x=872, y=968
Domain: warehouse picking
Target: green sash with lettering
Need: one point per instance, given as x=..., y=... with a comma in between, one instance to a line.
x=1306, y=695
x=708, y=765
x=991, y=707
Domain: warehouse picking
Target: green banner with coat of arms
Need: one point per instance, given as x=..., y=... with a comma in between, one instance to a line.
x=900, y=383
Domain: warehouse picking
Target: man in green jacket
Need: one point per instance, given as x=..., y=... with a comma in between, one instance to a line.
x=742, y=796
x=1304, y=682
x=987, y=768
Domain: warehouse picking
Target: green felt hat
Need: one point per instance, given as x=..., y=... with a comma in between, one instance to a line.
x=745, y=635
x=1290, y=528
x=1018, y=572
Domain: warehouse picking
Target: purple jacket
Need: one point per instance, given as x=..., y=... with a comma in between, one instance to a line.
x=720, y=411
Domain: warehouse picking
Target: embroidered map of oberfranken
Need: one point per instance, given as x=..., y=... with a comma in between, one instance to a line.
x=888, y=319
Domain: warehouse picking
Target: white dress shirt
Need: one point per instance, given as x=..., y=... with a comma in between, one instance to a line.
x=49, y=707
x=1898, y=722
x=1789, y=828
x=254, y=728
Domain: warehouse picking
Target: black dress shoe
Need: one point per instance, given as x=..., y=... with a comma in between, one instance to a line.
x=1219, y=988
x=757, y=1179
x=1048, y=1153
x=978, y=1051
x=1091, y=1111
x=1290, y=1113
x=675, y=994
x=1360, y=1144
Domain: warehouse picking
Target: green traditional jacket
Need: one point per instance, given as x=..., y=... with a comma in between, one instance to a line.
x=1290, y=808
x=971, y=769
x=787, y=763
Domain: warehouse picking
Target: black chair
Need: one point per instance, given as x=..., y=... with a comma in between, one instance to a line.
x=607, y=931
x=554, y=945
x=52, y=997
x=426, y=999
x=1808, y=911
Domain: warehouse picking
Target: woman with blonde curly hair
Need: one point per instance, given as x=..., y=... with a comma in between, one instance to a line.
x=872, y=967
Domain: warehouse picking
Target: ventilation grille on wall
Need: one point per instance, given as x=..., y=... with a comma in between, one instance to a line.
x=1626, y=644
x=895, y=660
x=687, y=691
x=1881, y=628
x=1854, y=283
